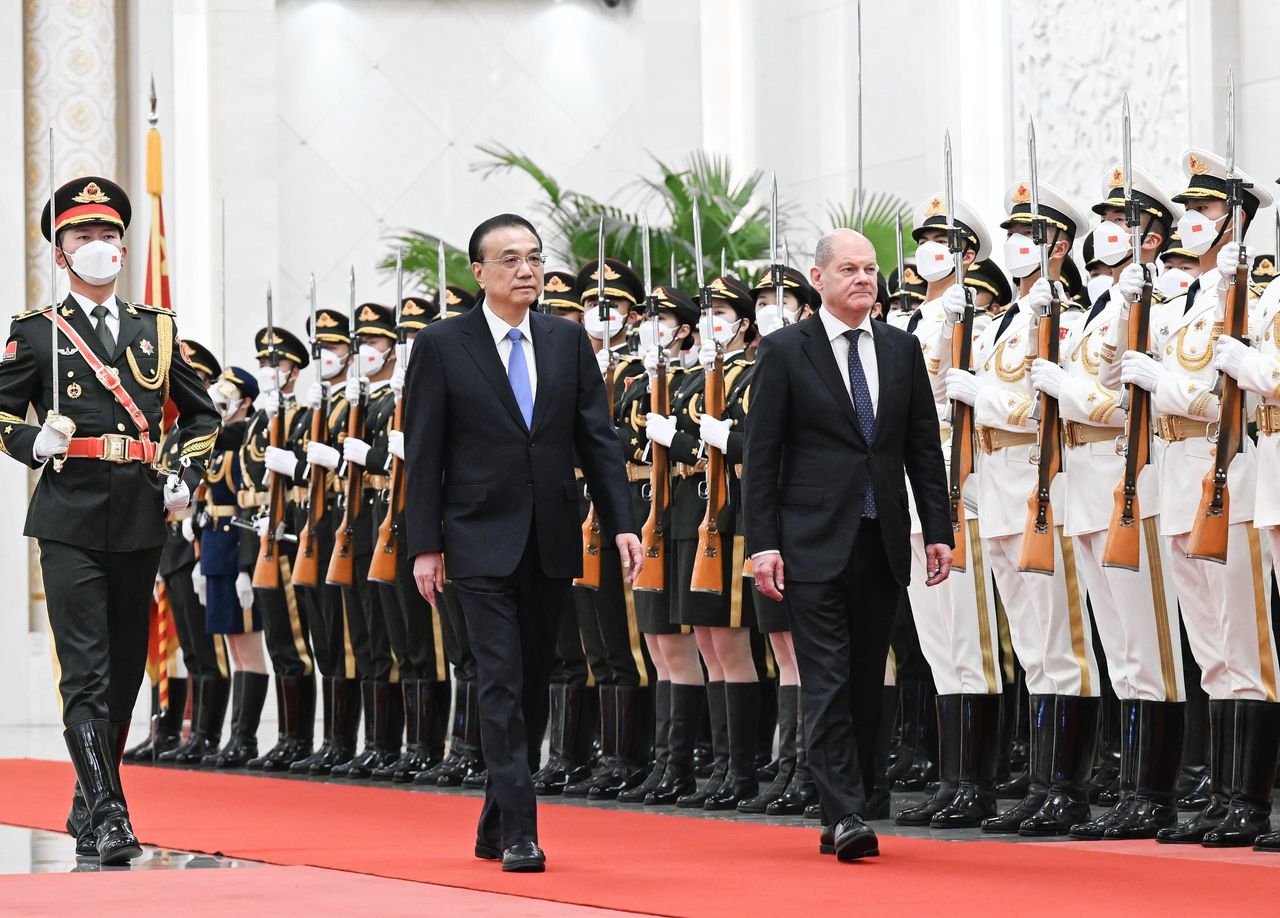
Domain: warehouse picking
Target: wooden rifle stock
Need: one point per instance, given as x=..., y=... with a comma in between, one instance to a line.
x=306, y=566
x=1037, y=536
x=591, y=538
x=653, y=537
x=341, y=565
x=383, y=567
x=961, y=442
x=266, y=571
x=1123, y=548
x=708, y=566
x=1213, y=517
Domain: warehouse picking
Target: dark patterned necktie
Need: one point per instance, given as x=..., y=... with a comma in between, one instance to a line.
x=866, y=410
x=100, y=313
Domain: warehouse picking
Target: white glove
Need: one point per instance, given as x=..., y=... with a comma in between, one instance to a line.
x=707, y=356
x=397, y=379
x=323, y=455
x=395, y=443
x=714, y=432
x=270, y=404
x=660, y=428
x=651, y=361
x=1139, y=370
x=602, y=360
x=354, y=450
x=353, y=388
x=244, y=590
x=198, y=583
x=50, y=442
x=1039, y=296
x=1130, y=284
x=177, y=496
x=314, y=395
x=260, y=525
x=1228, y=259
x=954, y=302
x=1230, y=354
x=1047, y=377
x=281, y=461
x=963, y=386
x=189, y=529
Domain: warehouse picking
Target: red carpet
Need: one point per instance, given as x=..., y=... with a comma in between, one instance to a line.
x=646, y=862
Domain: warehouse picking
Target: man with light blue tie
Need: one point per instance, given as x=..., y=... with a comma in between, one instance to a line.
x=498, y=403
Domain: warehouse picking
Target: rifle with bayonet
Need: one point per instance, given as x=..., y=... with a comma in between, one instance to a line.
x=962, y=430
x=342, y=563
x=306, y=567
x=266, y=572
x=1213, y=517
x=591, y=536
x=1123, y=547
x=1037, y=536
x=653, y=536
x=708, y=567
x=385, y=552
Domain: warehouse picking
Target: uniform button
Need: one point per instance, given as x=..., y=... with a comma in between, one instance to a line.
x=71, y=372
x=120, y=427
x=531, y=443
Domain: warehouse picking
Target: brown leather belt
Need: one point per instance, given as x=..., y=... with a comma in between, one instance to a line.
x=639, y=472
x=684, y=470
x=1077, y=434
x=221, y=511
x=991, y=439
x=1174, y=427
x=377, y=482
x=113, y=448
x=247, y=500
x=1268, y=419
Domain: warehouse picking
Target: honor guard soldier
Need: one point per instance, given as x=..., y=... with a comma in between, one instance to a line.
x=1223, y=605
x=98, y=511
x=606, y=610
x=281, y=357
x=906, y=293
x=991, y=293
x=224, y=579
x=1264, y=271
x=560, y=297
x=1048, y=622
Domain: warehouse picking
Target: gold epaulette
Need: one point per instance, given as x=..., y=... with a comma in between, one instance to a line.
x=1159, y=296
x=147, y=308
x=1256, y=289
x=34, y=312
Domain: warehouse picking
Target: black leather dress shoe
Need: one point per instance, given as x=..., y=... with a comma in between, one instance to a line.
x=523, y=857
x=854, y=839
x=488, y=850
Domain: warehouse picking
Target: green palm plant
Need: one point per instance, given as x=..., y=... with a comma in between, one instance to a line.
x=879, y=224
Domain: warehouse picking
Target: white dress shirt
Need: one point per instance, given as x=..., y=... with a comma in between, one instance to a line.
x=113, y=314
x=835, y=330
x=499, y=328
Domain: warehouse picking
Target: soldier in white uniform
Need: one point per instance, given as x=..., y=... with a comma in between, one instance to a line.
x=956, y=621
x=1135, y=611
x=1049, y=628
x=1224, y=606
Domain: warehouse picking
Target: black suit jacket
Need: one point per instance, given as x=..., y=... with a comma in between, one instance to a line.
x=807, y=463
x=476, y=476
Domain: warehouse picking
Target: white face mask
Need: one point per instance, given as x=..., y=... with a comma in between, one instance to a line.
x=689, y=358
x=934, y=261
x=97, y=262
x=1021, y=255
x=1112, y=243
x=371, y=359
x=595, y=328
x=1098, y=286
x=270, y=379
x=770, y=318
x=666, y=335
x=330, y=364
x=1198, y=232
x=1173, y=281
x=723, y=330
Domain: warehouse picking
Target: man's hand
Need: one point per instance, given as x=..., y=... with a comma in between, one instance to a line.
x=395, y=443
x=632, y=555
x=1047, y=377
x=355, y=451
x=1039, y=296
x=1137, y=369
x=323, y=455
x=768, y=574
x=50, y=442
x=428, y=573
x=1132, y=279
x=281, y=461
x=954, y=302
x=177, y=496
x=937, y=563
x=660, y=428
x=963, y=386
x=1230, y=354
x=714, y=432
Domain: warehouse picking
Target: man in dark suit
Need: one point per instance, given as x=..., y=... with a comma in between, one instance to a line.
x=498, y=403
x=841, y=407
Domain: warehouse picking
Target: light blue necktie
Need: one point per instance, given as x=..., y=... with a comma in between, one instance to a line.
x=866, y=410
x=518, y=376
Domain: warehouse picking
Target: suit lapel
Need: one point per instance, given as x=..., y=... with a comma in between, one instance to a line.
x=83, y=326
x=477, y=342
x=884, y=373
x=818, y=349
x=544, y=339
x=130, y=327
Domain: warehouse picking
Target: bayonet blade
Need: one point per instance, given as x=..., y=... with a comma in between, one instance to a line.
x=271, y=331
x=399, y=291
x=861, y=188
x=697, y=245
x=724, y=269
x=773, y=221
x=645, y=257
x=351, y=296
x=902, y=260
x=1127, y=148
x=673, y=270
x=442, y=288
x=601, y=305
x=1231, y=123
x=315, y=332
x=53, y=279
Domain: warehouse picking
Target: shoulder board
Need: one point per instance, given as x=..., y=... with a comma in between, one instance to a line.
x=1256, y=290
x=34, y=312
x=145, y=308
x=1159, y=296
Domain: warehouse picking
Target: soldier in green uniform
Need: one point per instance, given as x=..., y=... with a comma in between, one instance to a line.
x=98, y=511
x=560, y=297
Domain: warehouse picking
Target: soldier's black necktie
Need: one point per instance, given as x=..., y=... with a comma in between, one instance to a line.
x=100, y=313
x=865, y=408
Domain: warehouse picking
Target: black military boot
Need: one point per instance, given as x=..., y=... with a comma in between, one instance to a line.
x=468, y=768
x=801, y=793
x=899, y=759
x=248, y=695
x=718, y=722
x=564, y=765
x=412, y=760
x=1222, y=738
x=427, y=746
x=608, y=736
x=767, y=722
x=630, y=746
x=1129, y=739
x=79, y=826
x=918, y=719
x=948, y=713
x=661, y=748
x=1160, y=743
x=687, y=705
x=788, y=720
x=344, y=705
x=980, y=733
x=1104, y=783
x=1040, y=713
x=296, y=706
x=1075, y=742
x=94, y=756
x=1193, y=780
x=303, y=766
x=209, y=696
x=1257, y=742
x=1015, y=749
x=168, y=730
x=742, y=703
x=383, y=723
